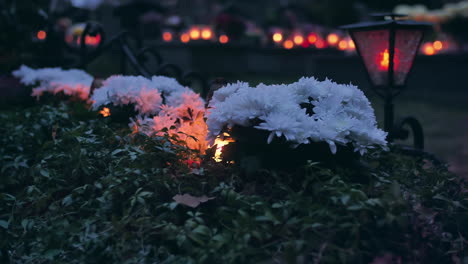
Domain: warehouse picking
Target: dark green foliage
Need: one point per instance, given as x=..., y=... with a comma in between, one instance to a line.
x=75, y=188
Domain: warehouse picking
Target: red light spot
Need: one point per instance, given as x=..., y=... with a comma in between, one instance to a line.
x=223, y=39
x=185, y=38
x=167, y=36
x=320, y=44
x=93, y=40
x=41, y=34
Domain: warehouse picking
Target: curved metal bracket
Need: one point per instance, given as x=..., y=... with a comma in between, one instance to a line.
x=399, y=132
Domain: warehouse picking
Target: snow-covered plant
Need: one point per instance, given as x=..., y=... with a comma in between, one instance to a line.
x=120, y=90
x=303, y=112
x=182, y=115
x=75, y=83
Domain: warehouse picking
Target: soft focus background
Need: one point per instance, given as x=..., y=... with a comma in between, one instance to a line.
x=271, y=41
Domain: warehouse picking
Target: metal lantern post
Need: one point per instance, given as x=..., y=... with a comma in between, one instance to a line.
x=388, y=49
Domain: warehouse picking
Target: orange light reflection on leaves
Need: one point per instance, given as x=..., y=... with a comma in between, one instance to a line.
x=105, y=112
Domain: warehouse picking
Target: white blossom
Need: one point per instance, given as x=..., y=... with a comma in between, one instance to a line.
x=341, y=113
x=72, y=82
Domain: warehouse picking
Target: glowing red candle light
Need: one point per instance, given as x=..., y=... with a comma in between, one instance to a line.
x=41, y=35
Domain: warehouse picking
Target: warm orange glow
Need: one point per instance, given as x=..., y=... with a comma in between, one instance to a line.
x=167, y=36
x=320, y=44
x=93, y=40
x=312, y=38
x=277, y=37
x=220, y=143
x=438, y=45
x=333, y=39
x=105, y=112
x=428, y=49
x=185, y=38
x=195, y=33
x=343, y=45
x=384, y=60
x=288, y=44
x=41, y=34
x=206, y=33
x=351, y=44
x=298, y=39
x=223, y=39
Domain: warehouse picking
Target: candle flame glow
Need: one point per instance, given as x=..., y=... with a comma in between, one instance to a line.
x=167, y=36
x=223, y=39
x=277, y=37
x=220, y=143
x=41, y=35
x=105, y=112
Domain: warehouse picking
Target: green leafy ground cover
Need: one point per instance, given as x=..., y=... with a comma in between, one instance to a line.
x=75, y=188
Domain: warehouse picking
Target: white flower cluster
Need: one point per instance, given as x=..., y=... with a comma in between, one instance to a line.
x=183, y=115
x=73, y=82
x=341, y=113
x=144, y=93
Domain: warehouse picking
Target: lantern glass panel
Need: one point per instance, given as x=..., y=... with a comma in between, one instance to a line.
x=406, y=47
x=373, y=46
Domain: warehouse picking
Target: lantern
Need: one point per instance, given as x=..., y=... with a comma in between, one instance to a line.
x=388, y=49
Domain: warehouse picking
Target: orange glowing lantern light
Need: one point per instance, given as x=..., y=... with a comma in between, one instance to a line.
x=438, y=45
x=223, y=39
x=41, y=35
x=312, y=38
x=343, y=45
x=277, y=37
x=388, y=49
x=195, y=33
x=167, y=36
x=351, y=45
x=105, y=112
x=428, y=49
x=298, y=39
x=93, y=40
x=333, y=39
x=288, y=44
x=206, y=34
x=185, y=38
